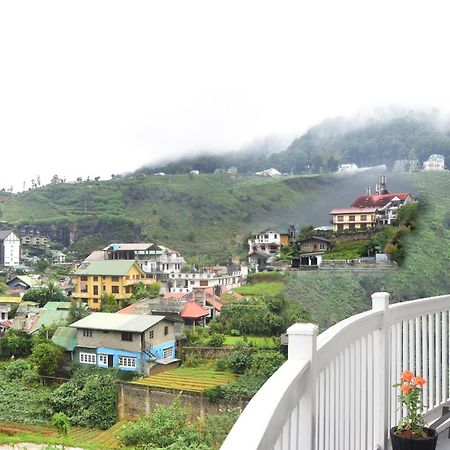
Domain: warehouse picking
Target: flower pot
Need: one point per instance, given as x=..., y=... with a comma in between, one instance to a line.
x=399, y=442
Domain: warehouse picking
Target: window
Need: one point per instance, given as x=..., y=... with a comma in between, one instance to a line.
x=127, y=336
x=364, y=226
x=151, y=334
x=266, y=236
x=351, y=226
x=340, y=218
x=340, y=227
x=87, y=358
x=115, y=278
x=84, y=278
x=104, y=288
x=275, y=236
x=95, y=290
x=103, y=360
x=95, y=278
x=351, y=218
x=166, y=330
x=95, y=300
x=115, y=289
x=87, y=332
x=126, y=361
x=167, y=352
x=363, y=218
x=322, y=246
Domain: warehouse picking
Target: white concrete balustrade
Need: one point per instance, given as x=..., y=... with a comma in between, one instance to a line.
x=335, y=390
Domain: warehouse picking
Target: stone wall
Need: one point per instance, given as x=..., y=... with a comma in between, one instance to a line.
x=139, y=400
x=206, y=352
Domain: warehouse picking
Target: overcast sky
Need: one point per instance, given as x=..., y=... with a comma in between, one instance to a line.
x=100, y=87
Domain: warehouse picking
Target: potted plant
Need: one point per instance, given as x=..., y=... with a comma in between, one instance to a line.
x=411, y=432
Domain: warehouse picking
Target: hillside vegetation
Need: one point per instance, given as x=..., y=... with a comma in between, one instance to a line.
x=207, y=217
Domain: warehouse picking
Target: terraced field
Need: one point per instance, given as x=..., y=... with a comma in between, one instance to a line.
x=191, y=379
x=88, y=438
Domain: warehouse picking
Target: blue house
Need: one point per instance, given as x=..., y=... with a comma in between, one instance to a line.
x=131, y=342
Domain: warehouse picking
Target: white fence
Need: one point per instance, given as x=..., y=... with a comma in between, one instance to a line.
x=335, y=390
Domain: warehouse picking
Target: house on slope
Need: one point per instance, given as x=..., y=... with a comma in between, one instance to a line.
x=22, y=283
x=130, y=342
x=353, y=218
x=92, y=279
x=435, y=163
x=9, y=249
x=314, y=244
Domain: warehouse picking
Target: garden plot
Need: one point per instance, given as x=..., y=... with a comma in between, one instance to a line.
x=191, y=379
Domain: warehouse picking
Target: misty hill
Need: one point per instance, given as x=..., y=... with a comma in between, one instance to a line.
x=335, y=141
x=204, y=216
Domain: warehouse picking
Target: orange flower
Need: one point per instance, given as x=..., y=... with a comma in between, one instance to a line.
x=405, y=387
x=419, y=381
x=407, y=376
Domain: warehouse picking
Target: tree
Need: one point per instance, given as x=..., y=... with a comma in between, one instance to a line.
x=77, y=311
x=142, y=290
x=47, y=357
x=15, y=343
x=109, y=303
x=61, y=422
x=49, y=292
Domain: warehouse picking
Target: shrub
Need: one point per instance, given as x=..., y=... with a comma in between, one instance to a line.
x=61, y=423
x=241, y=358
x=222, y=364
x=215, y=340
x=15, y=370
x=214, y=393
x=47, y=357
x=265, y=363
x=88, y=399
x=235, y=332
x=15, y=343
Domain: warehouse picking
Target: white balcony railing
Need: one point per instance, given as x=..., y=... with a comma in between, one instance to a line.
x=335, y=390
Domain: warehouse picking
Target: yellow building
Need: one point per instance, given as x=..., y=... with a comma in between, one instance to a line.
x=95, y=278
x=353, y=218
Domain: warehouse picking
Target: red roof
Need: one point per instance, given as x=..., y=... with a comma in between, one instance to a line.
x=192, y=310
x=217, y=304
x=128, y=309
x=380, y=200
x=174, y=295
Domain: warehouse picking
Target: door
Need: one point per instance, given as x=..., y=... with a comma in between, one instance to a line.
x=110, y=361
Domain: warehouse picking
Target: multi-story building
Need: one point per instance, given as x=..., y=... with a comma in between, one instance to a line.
x=95, y=278
x=435, y=163
x=226, y=278
x=38, y=240
x=9, y=249
x=353, y=218
x=131, y=342
x=151, y=258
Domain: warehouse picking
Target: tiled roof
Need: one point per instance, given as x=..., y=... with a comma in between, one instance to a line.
x=128, y=309
x=118, y=267
x=379, y=200
x=192, y=310
x=4, y=234
x=96, y=255
x=217, y=305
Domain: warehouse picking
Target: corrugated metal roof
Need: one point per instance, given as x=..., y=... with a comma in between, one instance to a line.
x=138, y=246
x=57, y=305
x=118, y=322
x=48, y=318
x=105, y=268
x=65, y=337
x=4, y=234
x=15, y=300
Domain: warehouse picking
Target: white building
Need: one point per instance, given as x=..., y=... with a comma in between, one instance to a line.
x=263, y=246
x=58, y=257
x=151, y=258
x=347, y=168
x=435, y=163
x=9, y=249
x=226, y=277
x=269, y=173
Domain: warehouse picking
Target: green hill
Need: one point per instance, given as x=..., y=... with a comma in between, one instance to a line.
x=205, y=216
x=331, y=297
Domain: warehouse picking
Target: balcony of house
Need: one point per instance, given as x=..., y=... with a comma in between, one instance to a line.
x=335, y=390
x=132, y=282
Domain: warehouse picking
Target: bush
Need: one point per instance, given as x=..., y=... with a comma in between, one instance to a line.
x=215, y=340
x=241, y=358
x=265, y=363
x=222, y=364
x=164, y=427
x=88, y=399
x=16, y=370
x=61, y=423
x=47, y=357
x=15, y=343
x=214, y=393
x=235, y=332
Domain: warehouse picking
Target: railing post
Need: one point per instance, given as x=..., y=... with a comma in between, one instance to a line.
x=302, y=345
x=381, y=379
